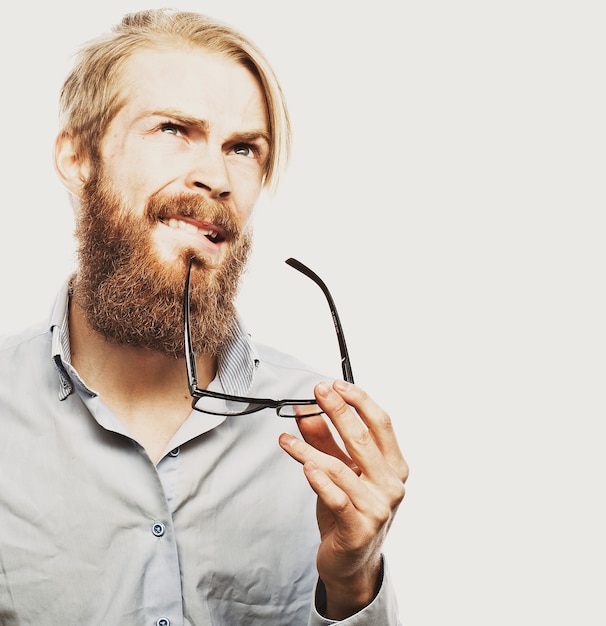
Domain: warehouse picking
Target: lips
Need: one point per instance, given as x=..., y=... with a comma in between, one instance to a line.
x=212, y=232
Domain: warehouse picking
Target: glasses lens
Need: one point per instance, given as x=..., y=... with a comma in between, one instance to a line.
x=299, y=410
x=219, y=406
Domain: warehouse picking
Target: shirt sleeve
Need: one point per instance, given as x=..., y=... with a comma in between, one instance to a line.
x=382, y=610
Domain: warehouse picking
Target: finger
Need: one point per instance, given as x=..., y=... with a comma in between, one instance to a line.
x=386, y=480
x=376, y=498
x=355, y=434
x=338, y=486
x=379, y=424
x=316, y=433
x=357, y=508
x=336, y=499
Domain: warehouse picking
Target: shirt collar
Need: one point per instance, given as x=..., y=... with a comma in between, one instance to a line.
x=236, y=364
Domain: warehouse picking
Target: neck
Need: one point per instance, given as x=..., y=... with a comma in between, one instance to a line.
x=147, y=390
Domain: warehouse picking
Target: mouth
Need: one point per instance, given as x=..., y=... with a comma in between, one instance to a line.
x=212, y=232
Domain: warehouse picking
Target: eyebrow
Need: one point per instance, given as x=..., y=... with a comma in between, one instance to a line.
x=203, y=126
x=253, y=135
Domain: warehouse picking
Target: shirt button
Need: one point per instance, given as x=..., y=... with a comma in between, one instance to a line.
x=158, y=530
x=174, y=452
x=163, y=621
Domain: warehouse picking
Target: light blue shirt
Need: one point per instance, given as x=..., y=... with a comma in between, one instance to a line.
x=220, y=531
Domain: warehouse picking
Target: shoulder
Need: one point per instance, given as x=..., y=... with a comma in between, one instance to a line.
x=38, y=335
x=27, y=350
x=279, y=358
x=28, y=377
x=284, y=374
x=24, y=338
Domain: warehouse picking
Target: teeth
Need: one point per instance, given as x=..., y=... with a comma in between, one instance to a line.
x=188, y=227
x=181, y=225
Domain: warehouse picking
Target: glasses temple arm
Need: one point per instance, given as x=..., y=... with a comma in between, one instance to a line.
x=190, y=359
x=345, y=362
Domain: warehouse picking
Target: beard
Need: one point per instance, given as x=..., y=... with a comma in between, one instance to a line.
x=132, y=297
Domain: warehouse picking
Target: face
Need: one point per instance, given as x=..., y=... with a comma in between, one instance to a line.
x=194, y=123
x=181, y=168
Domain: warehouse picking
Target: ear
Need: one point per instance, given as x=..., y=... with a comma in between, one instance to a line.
x=73, y=169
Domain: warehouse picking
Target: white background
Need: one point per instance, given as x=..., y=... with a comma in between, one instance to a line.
x=447, y=183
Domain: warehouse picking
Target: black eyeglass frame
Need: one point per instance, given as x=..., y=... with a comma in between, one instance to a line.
x=258, y=404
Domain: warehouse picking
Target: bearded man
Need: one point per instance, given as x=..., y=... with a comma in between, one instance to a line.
x=123, y=502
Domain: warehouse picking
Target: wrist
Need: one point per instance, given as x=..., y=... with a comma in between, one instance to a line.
x=343, y=597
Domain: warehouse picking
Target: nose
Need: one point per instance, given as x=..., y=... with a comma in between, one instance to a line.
x=208, y=173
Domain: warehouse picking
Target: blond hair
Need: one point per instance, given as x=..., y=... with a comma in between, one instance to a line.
x=90, y=97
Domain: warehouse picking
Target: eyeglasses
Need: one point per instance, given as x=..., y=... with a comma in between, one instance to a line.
x=216, y=403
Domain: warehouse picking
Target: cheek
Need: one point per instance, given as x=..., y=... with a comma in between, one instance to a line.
x=134, y=183
x=246, y=196
x=245, y=212
x=132, y=170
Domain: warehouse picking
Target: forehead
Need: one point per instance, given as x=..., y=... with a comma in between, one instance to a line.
x=197, y=81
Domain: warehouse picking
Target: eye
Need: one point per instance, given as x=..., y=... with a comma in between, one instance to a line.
x=245, y=149
x=171, y=128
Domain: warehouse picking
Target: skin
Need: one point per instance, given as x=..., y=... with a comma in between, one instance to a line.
x=176, y=135
x=172, y=135
x=359, y=491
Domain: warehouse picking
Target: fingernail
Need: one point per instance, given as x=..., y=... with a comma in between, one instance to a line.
x=342, y=385
x=322, y=389
x=286, y=439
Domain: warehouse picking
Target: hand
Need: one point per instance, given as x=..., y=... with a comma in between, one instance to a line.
x=359, y=490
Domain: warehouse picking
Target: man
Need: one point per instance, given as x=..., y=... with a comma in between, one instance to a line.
x=120, y=504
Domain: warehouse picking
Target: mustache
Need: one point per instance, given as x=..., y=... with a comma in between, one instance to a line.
x=161, y=206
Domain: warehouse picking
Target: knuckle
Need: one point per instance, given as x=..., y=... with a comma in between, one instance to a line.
x=386, y=422
x=340, y=503
x=338, y=472
x=393, y=492
x=362, y=395
x=398, y=494
x=341, y=409
x=363, y=437
x=382, y=514
x=403, y=471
